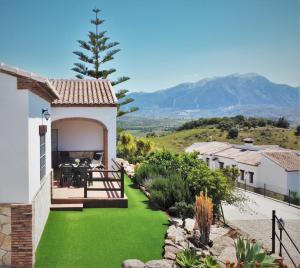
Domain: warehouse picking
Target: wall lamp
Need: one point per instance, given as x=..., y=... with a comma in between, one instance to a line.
x=46, y=114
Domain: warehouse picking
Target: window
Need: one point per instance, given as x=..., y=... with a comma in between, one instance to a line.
x=207, y=161
x=251, y=176
x=221, y=165
x=242, y=174
x=42, y=156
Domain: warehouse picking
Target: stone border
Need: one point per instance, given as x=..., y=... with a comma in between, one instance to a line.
x=5, y=235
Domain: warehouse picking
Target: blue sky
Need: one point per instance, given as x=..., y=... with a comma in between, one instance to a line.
x=163, y=42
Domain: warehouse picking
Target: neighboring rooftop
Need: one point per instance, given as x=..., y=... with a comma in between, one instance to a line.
x=288, y=160
x=82, y=92
x=27, y=80
x=208, y=147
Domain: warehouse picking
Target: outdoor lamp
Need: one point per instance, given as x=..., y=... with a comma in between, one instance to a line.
x=281, y=224
x=46, y=114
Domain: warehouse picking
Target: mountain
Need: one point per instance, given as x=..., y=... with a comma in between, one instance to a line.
x=248, y=94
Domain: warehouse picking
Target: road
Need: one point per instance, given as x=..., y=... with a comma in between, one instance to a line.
x=255, y=220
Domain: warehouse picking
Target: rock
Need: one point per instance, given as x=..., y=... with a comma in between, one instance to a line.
x=189, y=225
x=170, y=256
x=5, y=229
x=7, y=259
x=224, y=249
x=172, y=249
x=176, y=234
x=205, y=253
x=158, y=264
x=171, y=262
x=6, y=243
x=216, y=232
x=169, y=242
x=133, y=263
x=183, y=245
x=6, y=211
x=176, y=221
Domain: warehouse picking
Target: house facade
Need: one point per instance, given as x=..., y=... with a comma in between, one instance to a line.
x=80, y=115
x=262, y=169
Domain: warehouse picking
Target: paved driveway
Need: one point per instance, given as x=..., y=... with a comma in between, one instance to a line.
x=255, y=220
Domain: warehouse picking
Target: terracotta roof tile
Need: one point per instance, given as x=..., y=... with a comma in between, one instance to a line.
x=84, y=92
x=290, y=161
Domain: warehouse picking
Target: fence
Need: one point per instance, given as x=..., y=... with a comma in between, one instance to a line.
x=100, y=175
x=280, y=224
x=273, y=191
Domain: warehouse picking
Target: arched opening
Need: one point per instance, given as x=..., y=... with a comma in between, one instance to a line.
x=79, y=138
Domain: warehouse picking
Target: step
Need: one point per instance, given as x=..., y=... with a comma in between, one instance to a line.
x=67, y=207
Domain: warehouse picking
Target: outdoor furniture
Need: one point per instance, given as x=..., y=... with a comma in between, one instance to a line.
x=83, y=170
x=97, y=160
x=66, y=174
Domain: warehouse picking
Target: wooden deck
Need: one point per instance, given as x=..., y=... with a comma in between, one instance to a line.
x=101, y=194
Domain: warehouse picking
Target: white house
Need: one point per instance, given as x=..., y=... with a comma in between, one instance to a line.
x=82, y=115
x=269, y=167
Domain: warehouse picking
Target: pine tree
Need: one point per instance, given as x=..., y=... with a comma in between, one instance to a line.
x=99, y=50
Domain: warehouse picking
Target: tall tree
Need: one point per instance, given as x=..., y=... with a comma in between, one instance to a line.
x=97, y=51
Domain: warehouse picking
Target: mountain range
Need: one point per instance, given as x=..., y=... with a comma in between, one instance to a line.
x=247, y=94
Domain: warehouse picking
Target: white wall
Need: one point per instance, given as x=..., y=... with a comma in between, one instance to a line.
x=247, y=169
x=293, y=181
x=13, y=142
x=274, y=176
x=106, y=115
x=79, y=135
x=36, y=104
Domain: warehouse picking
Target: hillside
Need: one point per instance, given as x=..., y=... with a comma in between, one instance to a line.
x=247, y=94
x=178, y=140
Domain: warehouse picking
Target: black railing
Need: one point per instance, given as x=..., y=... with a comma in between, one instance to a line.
x=281, y=228
x=110, y=176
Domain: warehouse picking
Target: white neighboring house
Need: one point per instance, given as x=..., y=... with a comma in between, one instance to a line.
x=83, y=116
x=266, y=166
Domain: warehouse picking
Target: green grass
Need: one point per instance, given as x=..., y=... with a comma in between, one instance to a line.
x=177, y=141
x=103, y=238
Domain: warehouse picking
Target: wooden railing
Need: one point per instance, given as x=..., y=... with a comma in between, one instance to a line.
x=111, y=176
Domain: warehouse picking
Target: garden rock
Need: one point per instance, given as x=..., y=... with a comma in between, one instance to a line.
x=176, y=234
x=176, y=221
x=133, y=263
x=158, y=264
x=170, y=256
x=172, y=249
x=189, y=225
x=169, y=242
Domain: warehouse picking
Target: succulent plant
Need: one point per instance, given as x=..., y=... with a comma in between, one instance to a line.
x=209, y=262
x=188, y=259
x=252, y=255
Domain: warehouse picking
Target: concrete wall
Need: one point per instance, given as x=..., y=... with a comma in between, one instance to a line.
x=105, y=115
x=13, y=142
x=247, y=169
x=79, y=135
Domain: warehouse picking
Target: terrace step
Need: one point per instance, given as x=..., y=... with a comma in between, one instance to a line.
x=67, y=207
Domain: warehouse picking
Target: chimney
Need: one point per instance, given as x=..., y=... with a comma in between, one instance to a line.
x=248, y=142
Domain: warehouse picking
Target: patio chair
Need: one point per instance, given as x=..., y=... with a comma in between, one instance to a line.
x=66, y=174
x=97, y=160
x=84, y=175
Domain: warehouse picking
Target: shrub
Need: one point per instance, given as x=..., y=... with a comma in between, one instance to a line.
x=188, y=259
x=145, y=172
x=282, y=123
x=233, y=133
x=182, y=210
x=297, y=133
x=166, y=191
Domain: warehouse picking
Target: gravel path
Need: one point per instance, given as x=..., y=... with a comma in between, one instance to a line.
x=255, y=220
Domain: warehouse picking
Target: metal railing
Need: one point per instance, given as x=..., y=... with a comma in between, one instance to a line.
x=280, y=224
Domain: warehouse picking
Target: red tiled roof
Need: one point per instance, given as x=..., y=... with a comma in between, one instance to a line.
x=83, y=92
x=290, y=161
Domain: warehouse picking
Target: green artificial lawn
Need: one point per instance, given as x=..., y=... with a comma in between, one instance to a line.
x=103, y=237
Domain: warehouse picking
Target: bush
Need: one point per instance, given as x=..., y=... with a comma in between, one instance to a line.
x=297, y=133
x=182, y=210
x=282, y=123
x=166, y=191
x=145, y=172
x=233, y=133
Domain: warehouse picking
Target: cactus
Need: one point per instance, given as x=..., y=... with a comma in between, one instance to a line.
x=204, y=215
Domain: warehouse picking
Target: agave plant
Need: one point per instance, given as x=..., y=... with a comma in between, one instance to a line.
x=251, y=255
x=209, y=262
x=188, y=259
